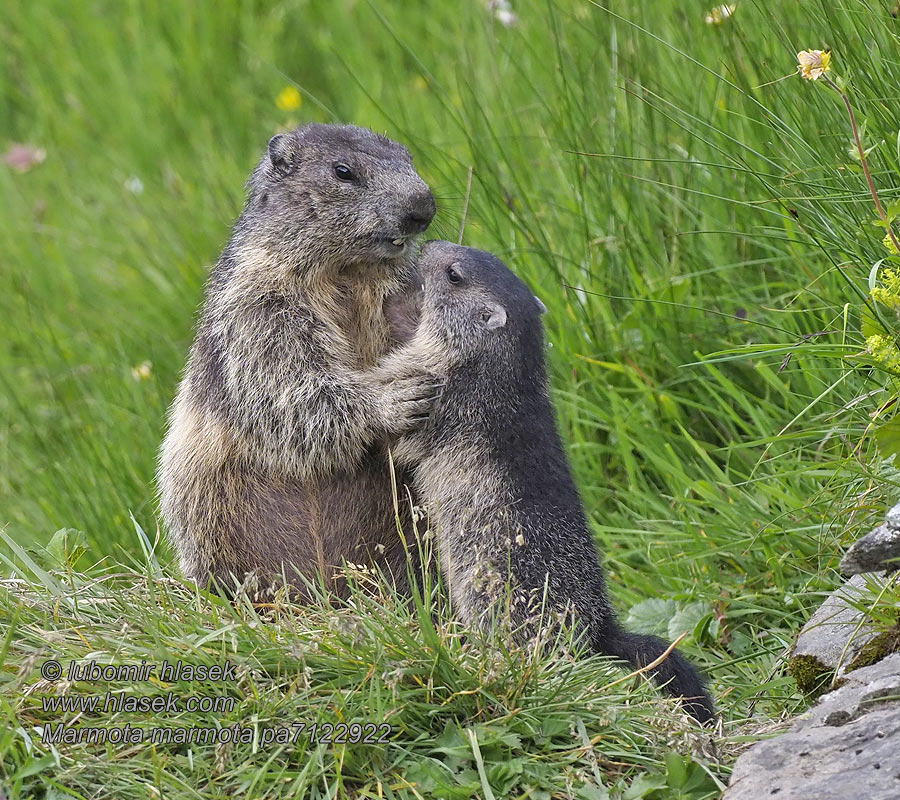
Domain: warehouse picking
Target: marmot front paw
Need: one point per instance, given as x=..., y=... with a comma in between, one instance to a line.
x=407, y=403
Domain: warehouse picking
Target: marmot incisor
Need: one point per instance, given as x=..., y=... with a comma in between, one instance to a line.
x=490, y=466
x=275, y=450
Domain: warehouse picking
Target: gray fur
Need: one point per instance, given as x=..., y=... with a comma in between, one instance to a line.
x=491, y=469
x=275, y=458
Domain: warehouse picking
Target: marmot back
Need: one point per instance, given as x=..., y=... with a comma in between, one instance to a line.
x=274, y=461
x=491, y=468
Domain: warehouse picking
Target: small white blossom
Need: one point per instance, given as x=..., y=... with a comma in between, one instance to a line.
x=719, y=14
x=813, y=64
x=503, y=12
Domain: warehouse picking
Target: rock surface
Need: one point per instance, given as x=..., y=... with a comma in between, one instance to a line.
x=847, y=746
x=877, y=550
x=833, y=639
x=893, y=517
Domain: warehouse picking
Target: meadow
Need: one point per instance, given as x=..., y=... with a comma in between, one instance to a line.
x=696, y=218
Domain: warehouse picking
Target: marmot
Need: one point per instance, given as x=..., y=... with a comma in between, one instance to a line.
x=274, y=461
x=490, y=467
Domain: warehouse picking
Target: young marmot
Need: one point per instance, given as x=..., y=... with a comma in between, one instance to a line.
x=274, y=462
x=490, y=466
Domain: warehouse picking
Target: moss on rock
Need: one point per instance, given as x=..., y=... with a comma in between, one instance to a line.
x=812, y=677
x=877, y=648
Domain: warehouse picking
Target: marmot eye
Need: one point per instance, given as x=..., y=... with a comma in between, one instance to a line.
x=343, y=172
x=453, y=276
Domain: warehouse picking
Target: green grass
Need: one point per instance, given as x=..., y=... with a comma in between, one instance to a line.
x=688, y=221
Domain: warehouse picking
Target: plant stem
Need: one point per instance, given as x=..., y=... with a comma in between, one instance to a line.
x=862, y=159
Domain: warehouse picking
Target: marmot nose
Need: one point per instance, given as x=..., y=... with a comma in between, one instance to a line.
x=419, y=213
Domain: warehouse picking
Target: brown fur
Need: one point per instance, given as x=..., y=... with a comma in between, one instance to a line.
x=275, y=459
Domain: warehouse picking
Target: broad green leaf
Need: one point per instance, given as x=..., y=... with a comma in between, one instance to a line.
x=686, y=619
x=651, y=616
x=887, y=437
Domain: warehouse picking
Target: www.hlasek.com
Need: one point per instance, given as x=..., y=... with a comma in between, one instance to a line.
x=112, y=702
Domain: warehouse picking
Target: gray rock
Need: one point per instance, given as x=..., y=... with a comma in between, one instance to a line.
x=873, y=552
x=893, y=518
x=847, y=746
x=833, y=638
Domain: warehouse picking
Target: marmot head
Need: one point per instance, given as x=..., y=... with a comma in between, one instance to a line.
x=338, y=195
x=477, y=307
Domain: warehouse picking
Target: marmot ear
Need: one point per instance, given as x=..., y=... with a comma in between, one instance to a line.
x=541, y=307
x=494, y=317
x=283, y=153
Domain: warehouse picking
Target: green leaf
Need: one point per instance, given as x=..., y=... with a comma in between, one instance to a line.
x=676, y=770
x=651, y=616
x=433, y=779
x=66, y=546
x=887, y=437
x=893, y=209
x=870, y=326
x=34, y=767
x=503, y=776
x=453, y=745
x=741, y=644
x=699, y=783
x=707, y=629
x=553, y=725
x=47, y=580
x=643, y=785
x=590, y=791
x=669, y=407
x=686, y=619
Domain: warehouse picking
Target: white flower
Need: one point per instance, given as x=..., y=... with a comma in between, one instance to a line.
x=813, y=64
x=503, y=12
x=719, y=14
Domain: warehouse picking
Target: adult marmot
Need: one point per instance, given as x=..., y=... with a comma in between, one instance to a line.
x=274, y=461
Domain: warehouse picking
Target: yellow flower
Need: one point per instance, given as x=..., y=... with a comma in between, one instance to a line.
x=289, y=99
x=891, y=280
x=885, y=297
x=888, y=242
x=813, y=63
x=142, y=371
x=884, y=350
x=719, y=14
